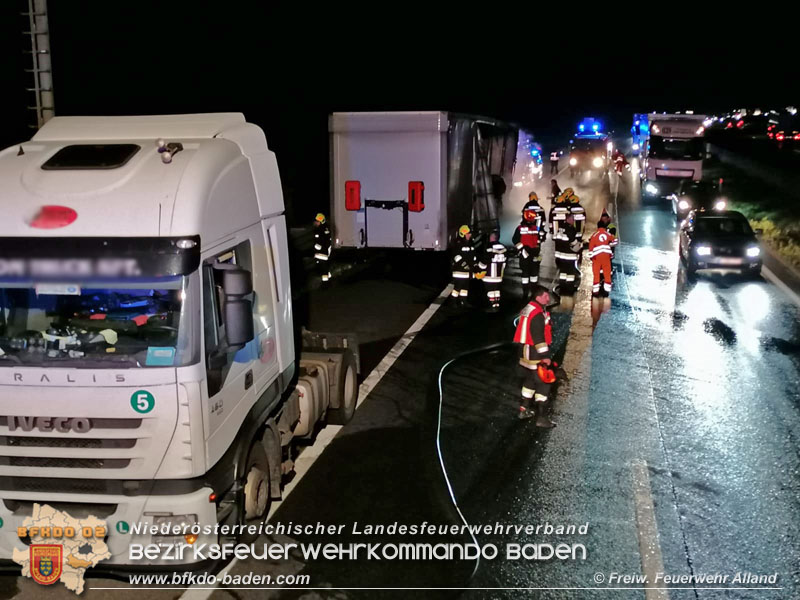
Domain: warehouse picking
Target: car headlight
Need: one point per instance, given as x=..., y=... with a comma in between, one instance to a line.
x=573, y=162
x=683, y=205
x=720, y=205
x=753, y=251
x=597, y=163
x=636, y=146
x=703, y=250
x=651, y=189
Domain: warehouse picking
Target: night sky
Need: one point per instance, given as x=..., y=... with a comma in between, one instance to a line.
x=286, y=69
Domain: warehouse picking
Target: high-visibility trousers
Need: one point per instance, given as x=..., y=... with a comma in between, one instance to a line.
x=601, y=264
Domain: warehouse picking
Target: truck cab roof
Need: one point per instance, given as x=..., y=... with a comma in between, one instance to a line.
x=109, y=171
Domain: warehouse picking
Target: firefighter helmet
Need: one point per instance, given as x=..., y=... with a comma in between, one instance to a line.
x=568, y=192
x=320, y=218
x=463, y=231
x=546, y=373
x=533, y=197
x=573, y=199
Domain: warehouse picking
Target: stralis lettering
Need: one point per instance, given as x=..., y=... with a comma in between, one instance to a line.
x=47, y=424
x=54, y=378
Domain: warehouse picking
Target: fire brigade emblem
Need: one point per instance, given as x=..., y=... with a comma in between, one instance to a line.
x=46, y=562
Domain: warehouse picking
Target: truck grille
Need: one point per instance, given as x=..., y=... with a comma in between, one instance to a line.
x=31, y=442
x=65, y=463
x=36, y=449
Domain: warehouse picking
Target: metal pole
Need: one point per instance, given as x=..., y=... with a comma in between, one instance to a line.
x=41, y=66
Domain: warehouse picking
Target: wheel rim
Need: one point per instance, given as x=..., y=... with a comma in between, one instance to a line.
x=256, y=493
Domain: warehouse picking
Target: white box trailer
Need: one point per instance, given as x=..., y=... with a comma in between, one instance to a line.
x=148, y=371
x=411, y=179
x=672, y=151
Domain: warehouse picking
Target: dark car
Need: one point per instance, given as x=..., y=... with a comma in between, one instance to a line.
x=697, y=195
x=719, y=240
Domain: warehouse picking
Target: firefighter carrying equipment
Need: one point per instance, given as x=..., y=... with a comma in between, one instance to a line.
x=600, y=251
x=535, y=334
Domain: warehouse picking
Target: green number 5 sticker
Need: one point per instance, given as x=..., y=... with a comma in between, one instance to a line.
x=143, y=401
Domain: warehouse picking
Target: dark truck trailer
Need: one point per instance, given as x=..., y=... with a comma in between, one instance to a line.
x=411, y=179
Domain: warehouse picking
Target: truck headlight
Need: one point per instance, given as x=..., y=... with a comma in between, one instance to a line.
x=597, y=162
x=753, y=251
x=651, y=189
x=703, y=250
x=683, y=205
x=573, y=162
x=720, y=205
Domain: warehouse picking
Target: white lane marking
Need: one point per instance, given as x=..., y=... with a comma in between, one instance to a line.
x=325, y=437
x=647, y=532
x=777, y=282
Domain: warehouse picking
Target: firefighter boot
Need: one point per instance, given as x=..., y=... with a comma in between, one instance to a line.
x=525, y=413
x=542, y=420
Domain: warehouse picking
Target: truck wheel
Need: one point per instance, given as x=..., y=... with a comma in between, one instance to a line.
x=348, y=384
x=256, y=493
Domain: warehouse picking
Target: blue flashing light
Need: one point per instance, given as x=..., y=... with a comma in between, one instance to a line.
x=580, y=127
x=534, y=153
x=595, y=127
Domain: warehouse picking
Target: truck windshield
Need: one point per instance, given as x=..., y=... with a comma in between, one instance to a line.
x=598, y=145
x=126, y=324
x=676, y=148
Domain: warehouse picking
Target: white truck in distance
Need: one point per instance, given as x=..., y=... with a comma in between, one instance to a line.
x=147, y=347
x=672, y=151
x=411, y=179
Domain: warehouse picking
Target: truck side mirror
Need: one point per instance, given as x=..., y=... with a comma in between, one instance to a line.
x=237, y=314
x=238, y=317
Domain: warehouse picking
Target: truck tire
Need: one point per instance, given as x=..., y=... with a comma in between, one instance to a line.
x=256, y=492
x=348, y=384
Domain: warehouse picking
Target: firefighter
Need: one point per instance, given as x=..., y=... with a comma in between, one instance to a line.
x=322, y=247
x=527, y=239
x=464, y=264
x=554, y=162
x=559, y=210
x=579, y=214
x=495, y=261
x=535, y=335
x=600, y=251
x=567, y=249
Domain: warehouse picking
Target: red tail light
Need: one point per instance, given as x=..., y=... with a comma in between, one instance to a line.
x=771, y=135
x=352, y=195
x=796, y=136
x=416, y=196
x=740, y=124
x=779, y=137
x=729, y=125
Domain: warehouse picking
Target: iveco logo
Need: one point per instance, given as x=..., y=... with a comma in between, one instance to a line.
x=47, y=424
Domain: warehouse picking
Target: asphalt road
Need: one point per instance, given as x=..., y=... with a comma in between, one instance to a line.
x=677, y=440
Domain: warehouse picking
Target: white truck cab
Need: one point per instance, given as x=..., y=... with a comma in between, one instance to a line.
x=147, y=347
x=672, y=151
